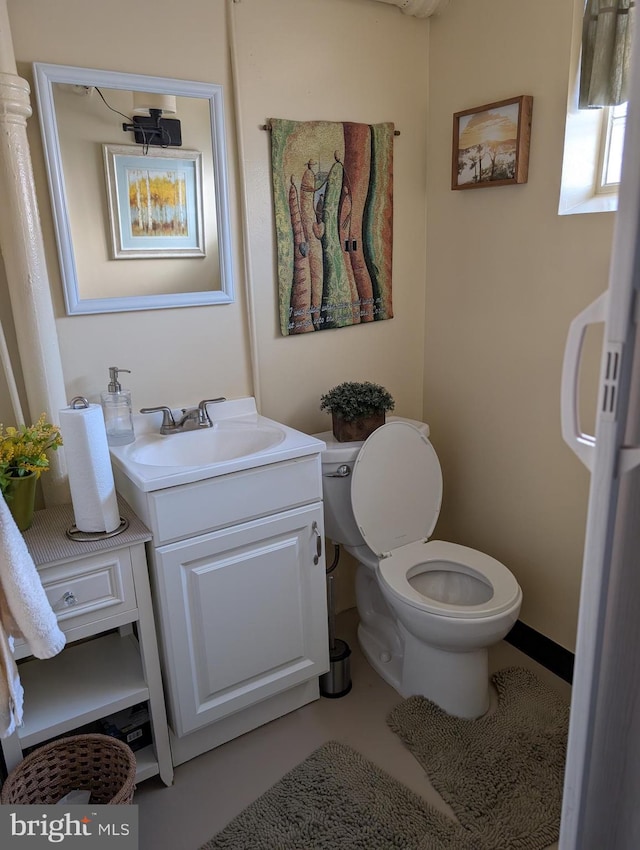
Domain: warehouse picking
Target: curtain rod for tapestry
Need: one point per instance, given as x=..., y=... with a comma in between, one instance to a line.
x=270, y=128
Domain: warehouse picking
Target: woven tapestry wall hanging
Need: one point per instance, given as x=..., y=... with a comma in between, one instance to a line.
x=333, y=199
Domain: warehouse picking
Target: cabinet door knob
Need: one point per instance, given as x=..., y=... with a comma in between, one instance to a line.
x=69, y=598
x=317, y=556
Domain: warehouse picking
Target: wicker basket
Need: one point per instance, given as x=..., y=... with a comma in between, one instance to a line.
x=97, y=763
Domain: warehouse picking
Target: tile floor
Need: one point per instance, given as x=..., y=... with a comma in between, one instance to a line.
x=210, y=790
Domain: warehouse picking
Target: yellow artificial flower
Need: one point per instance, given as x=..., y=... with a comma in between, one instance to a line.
x=24, y=449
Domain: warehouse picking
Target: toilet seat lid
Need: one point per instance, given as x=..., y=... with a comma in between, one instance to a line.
x=396, y=487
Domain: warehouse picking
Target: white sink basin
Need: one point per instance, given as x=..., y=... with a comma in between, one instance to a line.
x=239, y=439
x=224, y=441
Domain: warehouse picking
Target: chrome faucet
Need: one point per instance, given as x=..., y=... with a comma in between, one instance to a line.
x=192, y=419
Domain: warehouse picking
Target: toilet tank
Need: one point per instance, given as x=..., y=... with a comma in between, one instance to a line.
x=339, y=522
x=338, y=460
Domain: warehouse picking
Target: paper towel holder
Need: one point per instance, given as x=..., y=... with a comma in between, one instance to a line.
x=79, y=402
x=74, y=533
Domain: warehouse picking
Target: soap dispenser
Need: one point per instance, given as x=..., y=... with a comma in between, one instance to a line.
x=116, y=406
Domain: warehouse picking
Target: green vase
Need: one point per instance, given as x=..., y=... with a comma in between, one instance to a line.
x=21, y=498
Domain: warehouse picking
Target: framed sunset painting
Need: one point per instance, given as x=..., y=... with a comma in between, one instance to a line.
x=491, y=144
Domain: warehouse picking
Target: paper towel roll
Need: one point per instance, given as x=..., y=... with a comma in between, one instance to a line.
x=93, y=491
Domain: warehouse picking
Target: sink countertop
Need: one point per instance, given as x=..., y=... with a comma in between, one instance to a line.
x=147, y=477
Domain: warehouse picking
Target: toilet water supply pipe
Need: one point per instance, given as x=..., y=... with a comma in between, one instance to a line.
x=331, y=599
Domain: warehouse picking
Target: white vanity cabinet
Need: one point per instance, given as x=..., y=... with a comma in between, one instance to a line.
x=238, y=578
x=244, y=608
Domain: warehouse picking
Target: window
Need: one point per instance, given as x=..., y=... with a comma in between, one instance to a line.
x=611, y=147
x=584, y=159
x=582, y=164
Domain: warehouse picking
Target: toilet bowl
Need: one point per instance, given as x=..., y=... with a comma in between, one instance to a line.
x=429, y=609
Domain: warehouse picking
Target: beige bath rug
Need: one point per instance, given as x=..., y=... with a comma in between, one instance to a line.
x=338, y=800
x=501, y=774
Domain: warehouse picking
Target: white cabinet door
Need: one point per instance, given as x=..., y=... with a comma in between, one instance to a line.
x=243, y=615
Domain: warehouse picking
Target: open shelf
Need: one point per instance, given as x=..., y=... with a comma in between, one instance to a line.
x=146, y=763
x=84, y=683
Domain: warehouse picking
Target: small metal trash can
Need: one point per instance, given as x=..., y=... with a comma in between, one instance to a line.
x=337, y=682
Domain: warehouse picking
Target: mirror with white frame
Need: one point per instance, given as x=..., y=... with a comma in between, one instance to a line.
x=122, y=245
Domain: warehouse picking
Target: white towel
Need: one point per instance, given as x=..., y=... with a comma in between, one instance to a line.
x=25, y=612
x=11, y=693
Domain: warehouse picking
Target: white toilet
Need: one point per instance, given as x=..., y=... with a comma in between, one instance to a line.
x=428, y=609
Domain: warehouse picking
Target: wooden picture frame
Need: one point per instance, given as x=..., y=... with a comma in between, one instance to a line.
x=491, y=144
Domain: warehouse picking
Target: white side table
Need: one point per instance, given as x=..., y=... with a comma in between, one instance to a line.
x=100, y=591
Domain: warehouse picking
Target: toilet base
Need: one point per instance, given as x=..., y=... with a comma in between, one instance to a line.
x=387, y=665
x=458, y=682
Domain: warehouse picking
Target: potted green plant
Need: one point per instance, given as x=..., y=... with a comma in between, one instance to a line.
x=357, y=409
x=23, y=458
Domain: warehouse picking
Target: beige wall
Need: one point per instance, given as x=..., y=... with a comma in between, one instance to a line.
x=302, y=59
x=505, y=275
x=176, y=356
x=478, y=351
x=335, y=59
